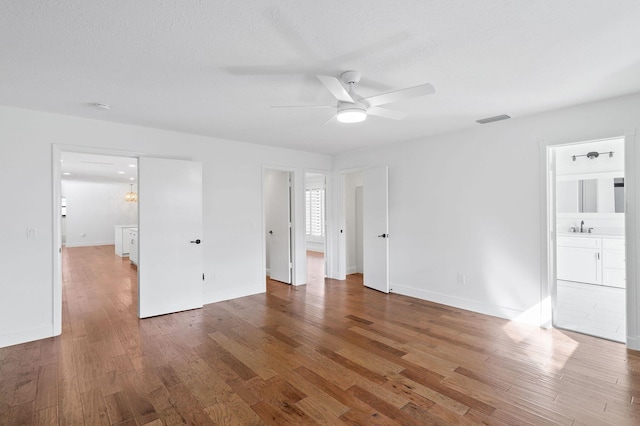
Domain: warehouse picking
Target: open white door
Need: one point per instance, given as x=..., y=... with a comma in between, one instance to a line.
x=375, y=201
x=278, y=223
x=170, y=229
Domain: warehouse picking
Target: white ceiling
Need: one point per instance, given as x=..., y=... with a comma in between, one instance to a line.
x=93, y=167
x=215, y=67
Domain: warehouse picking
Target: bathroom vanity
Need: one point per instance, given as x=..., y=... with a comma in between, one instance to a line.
x=591, y=258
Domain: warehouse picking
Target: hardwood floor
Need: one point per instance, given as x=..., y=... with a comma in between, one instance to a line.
x=330, y=352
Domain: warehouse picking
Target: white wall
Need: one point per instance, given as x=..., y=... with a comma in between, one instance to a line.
x=470, y=203
x=232, y=207
x=93, y=209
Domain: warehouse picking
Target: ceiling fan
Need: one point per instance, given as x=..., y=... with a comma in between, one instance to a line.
x=352, y=108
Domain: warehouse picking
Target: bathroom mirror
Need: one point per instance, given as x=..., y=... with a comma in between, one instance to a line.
x=602, y=195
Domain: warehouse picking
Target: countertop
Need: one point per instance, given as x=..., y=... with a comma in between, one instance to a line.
x=590, y=235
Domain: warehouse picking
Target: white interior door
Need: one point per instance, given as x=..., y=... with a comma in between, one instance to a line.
x=170, y=230
x=278, y=220
x=375, y=200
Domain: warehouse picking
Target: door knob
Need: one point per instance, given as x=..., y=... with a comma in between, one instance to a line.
x=271, y=232
x=383, y=235
x=195, y=242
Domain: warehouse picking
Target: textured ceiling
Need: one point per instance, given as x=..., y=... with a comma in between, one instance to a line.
x=215, y=67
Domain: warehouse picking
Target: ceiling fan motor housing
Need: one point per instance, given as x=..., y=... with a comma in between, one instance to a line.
x=351, y=77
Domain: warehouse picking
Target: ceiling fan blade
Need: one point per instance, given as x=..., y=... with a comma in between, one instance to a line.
x=303, y=106
x=400, y=95
x=331, y=119
x=386, y=113
x=336, y=88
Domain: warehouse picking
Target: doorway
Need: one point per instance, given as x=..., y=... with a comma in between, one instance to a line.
x=588, y=199
x=366, y=226
x=169, y=231
x=315, y=227
x=89, y=202
x=278, y=230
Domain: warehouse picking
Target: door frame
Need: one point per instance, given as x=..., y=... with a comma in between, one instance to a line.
x=56, y=250
x=339, y=267
x=328, y=222
x=548, y=231
x=299, y=268
x=291, y=229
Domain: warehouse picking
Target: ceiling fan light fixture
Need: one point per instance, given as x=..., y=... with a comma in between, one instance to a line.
x=352, y=115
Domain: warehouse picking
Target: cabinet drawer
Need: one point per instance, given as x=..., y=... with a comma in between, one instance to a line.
x=613, y=259
x=613, y=243
x=585, y=242
x=613, y=277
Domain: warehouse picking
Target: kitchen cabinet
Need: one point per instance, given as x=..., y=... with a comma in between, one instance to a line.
x=133, y=245
x=122, y=239
x=591, y=260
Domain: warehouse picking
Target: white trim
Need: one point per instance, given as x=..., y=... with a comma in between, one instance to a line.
x=89, y=244
x=352, y=270
x=631, y=242
x=459, y=302
x=56, y=249
x=24, y=336
x=633, y=343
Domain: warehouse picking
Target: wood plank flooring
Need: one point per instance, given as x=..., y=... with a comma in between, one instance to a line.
x=331, y=352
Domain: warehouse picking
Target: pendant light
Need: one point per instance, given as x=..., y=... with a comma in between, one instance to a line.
x=131, y=196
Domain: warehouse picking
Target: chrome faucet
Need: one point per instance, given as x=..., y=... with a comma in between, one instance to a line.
x=582, y=226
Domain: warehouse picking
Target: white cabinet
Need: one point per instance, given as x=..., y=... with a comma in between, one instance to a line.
x=592, y=260
x=132, y=237
x=579, y=260
x=122, y=239
x=613, y=262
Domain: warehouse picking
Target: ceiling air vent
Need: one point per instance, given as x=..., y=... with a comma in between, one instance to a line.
x=492, y=119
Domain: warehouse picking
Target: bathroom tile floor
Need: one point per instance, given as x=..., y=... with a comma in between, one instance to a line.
x=591, y=309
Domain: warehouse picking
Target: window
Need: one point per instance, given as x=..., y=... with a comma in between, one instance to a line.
x=315, y=212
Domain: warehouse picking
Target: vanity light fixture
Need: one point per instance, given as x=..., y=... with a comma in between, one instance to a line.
x=592, y=155
x=131, y=196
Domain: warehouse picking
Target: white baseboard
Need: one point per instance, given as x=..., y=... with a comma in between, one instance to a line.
x=89, y=244
x=24, y=336
x=314, y=246
x=467, y=304
x=268, y=273
x=352, y=270
x=633, y=343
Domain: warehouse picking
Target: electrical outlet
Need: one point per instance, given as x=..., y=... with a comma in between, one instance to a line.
x=462, y=280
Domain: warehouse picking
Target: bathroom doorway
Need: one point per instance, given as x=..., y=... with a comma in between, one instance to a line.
x=589, y=288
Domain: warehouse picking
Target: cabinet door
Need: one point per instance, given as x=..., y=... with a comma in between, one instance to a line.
x=126, y=245
x=133, y=246
x=579, y=264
